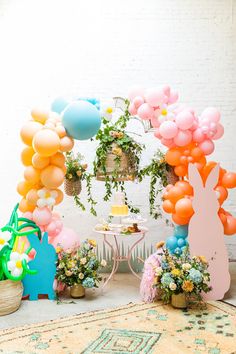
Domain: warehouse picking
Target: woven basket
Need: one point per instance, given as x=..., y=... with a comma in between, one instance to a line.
x=72, y=187
x=124, y=171
x=10, y=296
x=172, y=178
x=179, y=301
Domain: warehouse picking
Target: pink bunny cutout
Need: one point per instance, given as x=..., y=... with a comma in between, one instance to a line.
x=206, y=233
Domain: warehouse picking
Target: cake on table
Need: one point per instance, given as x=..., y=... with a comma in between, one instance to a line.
x=119, y=208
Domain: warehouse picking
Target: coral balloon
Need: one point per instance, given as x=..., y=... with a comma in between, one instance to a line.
x=180, y=221
x=24, y=187
x=184, y=120
x=32, y=174
x=168, y=129
x=26, y=155
x=46, y=142
x=28, y=131
x=39, y=161
x=58, y=159
x=32, y=197
x=42, y=216
x=66, y=144
x=185, y=186
x=184, y=208
x=230, y=226
x=52, y=177
x=172, y=157
x=66, y=239
x=39, y=115
x=24, y=206
x=229, y=180
x=168, y=206
x=181, y=170
x=175, y=194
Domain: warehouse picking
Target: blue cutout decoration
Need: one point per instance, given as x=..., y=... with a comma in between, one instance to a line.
x=59, y=104
x=45, y=264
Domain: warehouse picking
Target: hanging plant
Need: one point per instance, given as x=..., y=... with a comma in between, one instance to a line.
x=161, y=174
x=118, y=154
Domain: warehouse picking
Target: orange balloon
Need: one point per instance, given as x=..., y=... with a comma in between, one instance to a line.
x=39, y=161
x=223, y=194
x=229, y=180
x=25, y=206
x=66, y=144
x=23, y=187
x=32, y=174
x=196, y=153
x=180, y=221
x=26, y=155
x=60, y=131
x=184, y=208
x=172, y=157
x=181, y=170
x=168, y=206
x=185, y=186
x=223, y=218
x=46, y=142
x=29, y=130
x=32, y=197
x=52, y=177
x=230, y=226
x=58, y=159
x=59, y=197
x=39, y=115
x=183, y=160
x=175, y=194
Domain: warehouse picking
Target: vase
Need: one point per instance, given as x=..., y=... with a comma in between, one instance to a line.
x=77, y=291
x=72, y=187
x=179, y=301
x=10, y=296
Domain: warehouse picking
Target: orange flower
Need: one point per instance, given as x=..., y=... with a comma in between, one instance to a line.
x=187, y=286
x=160, y=244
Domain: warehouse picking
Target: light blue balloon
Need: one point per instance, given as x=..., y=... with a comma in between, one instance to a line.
x=181, y=242
x=59, y=104
x=178, y=251
x=81, y=120
x=181, y=231
x=171, y=243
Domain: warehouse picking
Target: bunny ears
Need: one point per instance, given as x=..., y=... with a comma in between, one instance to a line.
x=196, y=181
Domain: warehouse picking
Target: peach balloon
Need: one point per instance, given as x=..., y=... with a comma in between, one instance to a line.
x=23, y=187
x=184, y=208
x=58, y=159
x=66, y=144
x=60, y=131
x=32, y=197
x=229, y=180
x=39, y=115
x=185, y=186
x=52, y=177
x=180, y=221
x=59, y=197
x=39, y=161
x=181, y=170
x=28, y=131
x=24, y=206
x=46, y=142
x=26, y=155
x=175, y=194
x=168, y=206
x=172, y=157
x=32, y=174
x=230, y=226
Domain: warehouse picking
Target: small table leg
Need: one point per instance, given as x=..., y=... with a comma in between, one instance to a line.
x=115, y=261
x=130, y=254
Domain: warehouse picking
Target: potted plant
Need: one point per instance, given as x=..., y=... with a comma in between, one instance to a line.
x=181, y=279
x=14, y=261
x=79, y=268
x=161, y=174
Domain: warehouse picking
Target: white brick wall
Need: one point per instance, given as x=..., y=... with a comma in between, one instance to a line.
x=75, y=47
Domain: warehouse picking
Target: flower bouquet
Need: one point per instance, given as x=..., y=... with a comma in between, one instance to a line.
x=79, y=268
x=181, y=279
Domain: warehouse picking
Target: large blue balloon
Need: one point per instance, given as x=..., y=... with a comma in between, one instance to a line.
x=81, y=120
x=171, y=243
x=59, y=104
x=181, y=231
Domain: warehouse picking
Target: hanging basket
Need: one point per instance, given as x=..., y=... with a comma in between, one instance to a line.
x=10, y=296
x=125, y=171
x=72, y=187
x=171, y=177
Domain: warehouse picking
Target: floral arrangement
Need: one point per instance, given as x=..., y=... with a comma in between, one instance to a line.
x=79, y=266
x=183, y=274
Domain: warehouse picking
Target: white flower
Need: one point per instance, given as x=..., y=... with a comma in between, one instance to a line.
x=4, y=238
x=186, y=266
x=83, y=260
x=172, y=286
x=158, y=271
x=15, y=263
x=103, y=263
x=81, y=276
x=46, y=197
x=108, y=109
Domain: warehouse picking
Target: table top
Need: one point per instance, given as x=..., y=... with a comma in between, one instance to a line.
x=143, y=231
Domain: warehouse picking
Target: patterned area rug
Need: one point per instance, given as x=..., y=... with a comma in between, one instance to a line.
x=135, y=328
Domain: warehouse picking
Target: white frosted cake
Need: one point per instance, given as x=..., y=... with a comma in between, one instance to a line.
x=119, y=208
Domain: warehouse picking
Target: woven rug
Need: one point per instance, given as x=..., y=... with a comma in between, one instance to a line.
x=135, y=328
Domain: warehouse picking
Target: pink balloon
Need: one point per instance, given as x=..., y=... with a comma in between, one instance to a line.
x=51, y=228
x=155, y=123
x=167, y=142
x=157, y=134
x=42, y=216
x=212, y=114
x=28, y=215
x=173, y=97
x=198, y=135
x=219, y=132
x=145, y=111
x=155, y=97
x=137, y=101
x=184, y=137
x=166, y=90
x=207, y=146
x=67, y=238
x=168, y=129
x=135, y=91
x=184, y=120
x=132, y=109
x=56, y=215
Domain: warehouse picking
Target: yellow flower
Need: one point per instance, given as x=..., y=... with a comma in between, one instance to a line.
x=176, y=272
x=203, y=259
x=58, y=249
x=160, y=244
x=187, y=286
x=68, y=273
x=71, y=264
x=120, y=135
x=92, y=243
x=117, y=151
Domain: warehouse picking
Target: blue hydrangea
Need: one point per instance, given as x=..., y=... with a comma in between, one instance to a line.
x=88, y=283
x=164, y=265
x=166, y=279
x=195, y=275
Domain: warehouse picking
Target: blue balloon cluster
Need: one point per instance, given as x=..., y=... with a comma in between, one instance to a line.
x=92, y=100
x=177, y=243
x=59, y=104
